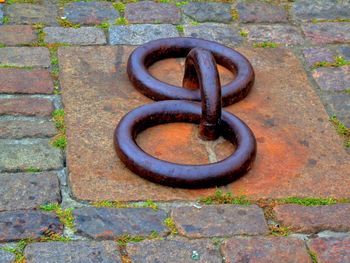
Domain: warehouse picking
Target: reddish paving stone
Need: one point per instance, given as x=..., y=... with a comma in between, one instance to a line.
x=17, y=34
x=318, y=54
x=265, y=250
x=173, y=251
x=26, y=106
x=31, y=14
x=329, y=78
x=208, y=12
x=34, y=81
x=327, y=32
x=219, y=220
x=25, y=57
x=25, y=224
x=331, y=249
x=287, y=117
x=313, y=219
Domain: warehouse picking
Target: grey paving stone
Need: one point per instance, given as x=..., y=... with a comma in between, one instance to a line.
x=31, y=14
x=25, y=56
x=108, y=223
x=318, y=54
x=90, y=13
x=6, y=257
x=345, y=52
x=219, y=220
x=26, y=106
x=327, y=32
x=208, y=12
x=75, y=36
x=281, y=34
x=257, y=12
x=321, y=9
x=173, y=251
x=1, y=14
x=72, y=252
x=23, y=224
x=224, y=34
x=140, y=34
x=21, y=155
x=150, y=12
x=332, y=78
x=338, y=105
x=28, y=191
x=17, y=34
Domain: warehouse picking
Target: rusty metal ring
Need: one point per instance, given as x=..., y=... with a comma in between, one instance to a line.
x=179, y=175
x=151, y=52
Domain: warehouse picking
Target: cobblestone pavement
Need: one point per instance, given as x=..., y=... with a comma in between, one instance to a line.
x=40, y=220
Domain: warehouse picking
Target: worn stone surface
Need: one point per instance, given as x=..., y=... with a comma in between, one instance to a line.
x=34, y=81
x=257, y=12
x=227, y=35
x=140, y=34
x=327, y=32
x=330, y=78
x=281, y=34
x=72, y=252
x=287, y=117
x=219, y=220
x=331, y=249
x=25, y=56
x=31, y=14
x=5, y=256
x=313, y=219
x=173, y=251
x=21, y=155
x=151, y=12
x=265, y=250
x=313, y=55
x=345, y=52
x=25, y=224
x=16, y=34
x=26, y=106
x=338, y=105
x=28, y=191
x=1, y=14
x=90, y=13
x=75, y=36
x=108, y=223
x=208, y=12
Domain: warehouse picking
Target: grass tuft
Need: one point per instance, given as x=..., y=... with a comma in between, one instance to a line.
x=65, y=215
x=220, y=197
x=121, y=21
x=169, y=223
x=180, y=29
x=18, y=250
x=243, y=33
x=341, y=130
x=32, y=170
x=339, y=61
x=118, y=204
x=124, y=239
x=120, y=7
x=280, y=231
x=60, y=140
x=307, y=201
x=265, y=44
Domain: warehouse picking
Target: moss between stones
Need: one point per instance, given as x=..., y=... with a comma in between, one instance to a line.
x=265, y=44
x=219, y=197
x=341, y=130
x=117, y=204
x=169, y=223
x=339, y=61
x=60, y=140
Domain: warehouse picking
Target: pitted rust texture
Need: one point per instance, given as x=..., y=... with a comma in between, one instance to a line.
x=202, y=81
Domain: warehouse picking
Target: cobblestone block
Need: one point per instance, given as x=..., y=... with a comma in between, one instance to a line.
x=219, y=220
x=338, y=105
x=345, y=52
x=327, y=32
x=28, y=191
x=1, y=14
x=72, y=252
x=150, y=12
x=75, y=36
x=313, y=219
x=17, y=225
x=107, y=223
x=329, y=78
x=208, y=12
x=17, y=34
x=26, y=106
x=5, y=256
x=31, y=14
x=25, y=56
x=140, y=34
x=317, y=54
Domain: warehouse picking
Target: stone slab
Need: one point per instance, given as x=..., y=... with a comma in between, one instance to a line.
x=1, y=14
x=27, y=14
x=72, y=252
x=26, y=106
x=219, y=220
x=333, y=79
x=11, y=35
x=299, y=152
x=5, y=256
x=75, y=36
x=25, y=57
x=28, y=191
x=327, y=32
x=338, y=105
x=208, y=12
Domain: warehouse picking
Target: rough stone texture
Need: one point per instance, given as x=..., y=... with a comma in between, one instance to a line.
x=108, y=223
x=318, y=54
x=16, y=35
x=345, y=52
x=281, y=34
x=18, y=129
x=27, y=191
x=265, y=250
x=140, y=34
x=327, y=32
x=257, y=12
x=31, y=14
x=331, y=249
x=26, y=106
x=150, y=12
x=90, y=13
x=25, y=56
x=173, y=251
x=208, y=12
x=287, y=117
x=321, y=9
x=14, y=80
x=219, y=220
x=75, y=36
x=72, y=252
x=23, y=224
x=6, y=257
x=313, y=219
x=21, y=155
x=338, y=105
x=332, y=78
x=1, y=14
x=224, y=34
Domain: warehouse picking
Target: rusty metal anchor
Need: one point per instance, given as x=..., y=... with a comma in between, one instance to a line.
x=200, y=72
